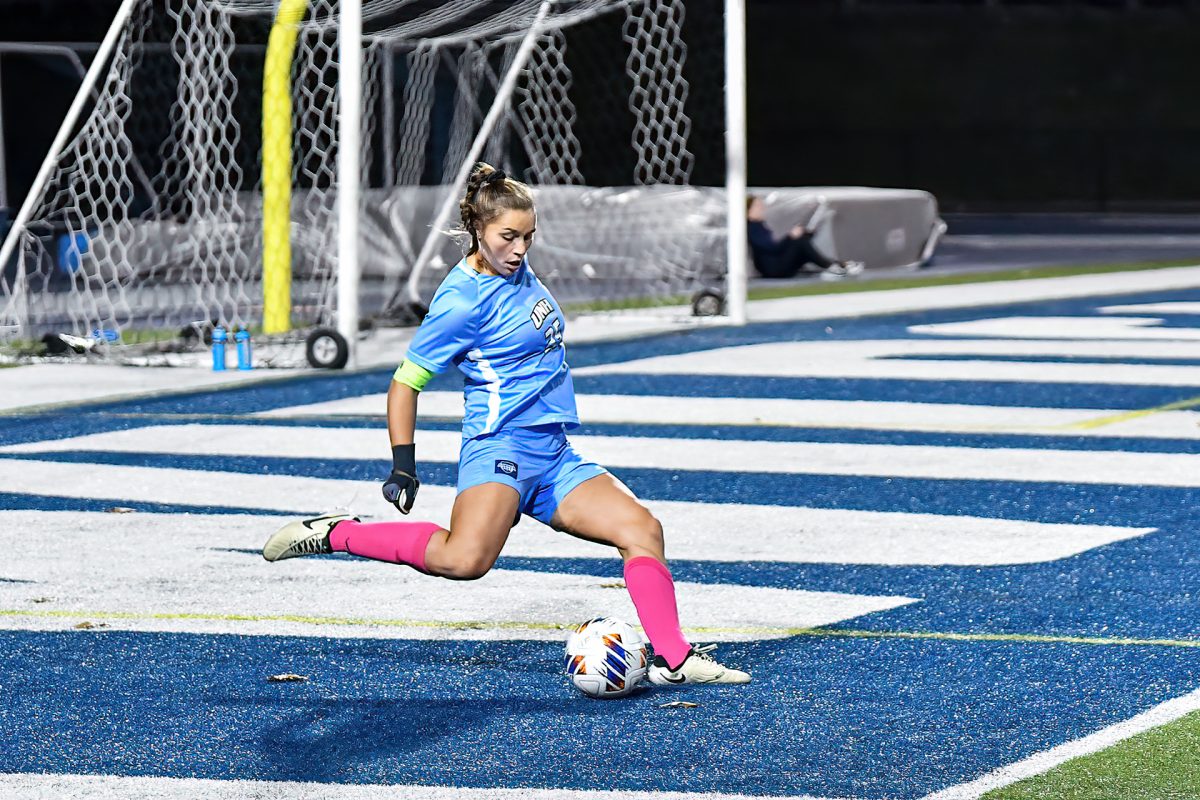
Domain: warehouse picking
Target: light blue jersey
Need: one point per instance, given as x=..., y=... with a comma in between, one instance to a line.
x=506, y=336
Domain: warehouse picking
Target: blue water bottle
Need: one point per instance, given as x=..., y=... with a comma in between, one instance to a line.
x=243, y=350
x=219, y=337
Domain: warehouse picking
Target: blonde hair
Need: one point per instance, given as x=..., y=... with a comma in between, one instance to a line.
x=490, y=193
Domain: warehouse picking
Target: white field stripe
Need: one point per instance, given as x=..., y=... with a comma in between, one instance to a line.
x=162, y=564
x=1048, y=759
x=1139, y=328
x=1093, y=240
x=862, y=360
x=782, y=354
x=893, y=301
x=58, y=787
x=849, y=414
x=700, y=531
x=709, y=455
x=1153, y=308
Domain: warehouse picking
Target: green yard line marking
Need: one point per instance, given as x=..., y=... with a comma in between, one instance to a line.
x=1100, y=422
x=845, y=633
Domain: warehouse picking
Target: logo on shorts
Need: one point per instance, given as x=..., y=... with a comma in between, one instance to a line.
x=508, y=468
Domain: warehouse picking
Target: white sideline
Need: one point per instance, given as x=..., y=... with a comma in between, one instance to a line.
x=1046, y=760
x=57, y=787
x=1139, y=329
x=1154, y=308
x=39, y=385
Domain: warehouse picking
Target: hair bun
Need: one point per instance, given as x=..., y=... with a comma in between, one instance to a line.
x=477, y=208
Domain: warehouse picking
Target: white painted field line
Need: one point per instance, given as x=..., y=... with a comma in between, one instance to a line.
x=723, y=456
x=282, y=493
x=1092, y=743
x=699, y=531
x=1153, y=308
x=926, y=298
x=846, y=414
x=1146, y=329
x=784, y=355
x=58, y=787
x=207, y=568
x=799, y=360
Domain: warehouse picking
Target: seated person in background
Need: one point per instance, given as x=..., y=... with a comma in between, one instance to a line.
x=787, y=257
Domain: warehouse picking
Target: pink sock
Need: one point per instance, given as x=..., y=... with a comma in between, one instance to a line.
x=653, y=592
x=395, y=542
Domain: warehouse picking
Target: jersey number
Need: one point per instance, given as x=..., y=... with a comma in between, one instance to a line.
x=553, y=334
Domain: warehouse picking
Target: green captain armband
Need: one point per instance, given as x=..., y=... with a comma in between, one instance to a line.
x=412, y=375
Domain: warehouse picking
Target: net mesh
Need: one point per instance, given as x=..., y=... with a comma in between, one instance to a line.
x=152, y=218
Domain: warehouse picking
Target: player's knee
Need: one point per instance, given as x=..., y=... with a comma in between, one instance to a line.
x=469, y=566
x=646, y=533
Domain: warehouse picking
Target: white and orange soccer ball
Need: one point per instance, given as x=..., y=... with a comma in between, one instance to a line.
x=606, y=658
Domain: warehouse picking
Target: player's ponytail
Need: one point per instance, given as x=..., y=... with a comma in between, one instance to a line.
x=489, y=194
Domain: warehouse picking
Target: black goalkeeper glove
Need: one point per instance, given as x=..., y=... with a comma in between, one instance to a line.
x=400, y=489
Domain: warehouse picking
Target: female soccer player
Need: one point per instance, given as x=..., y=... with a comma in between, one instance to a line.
x=493, y=319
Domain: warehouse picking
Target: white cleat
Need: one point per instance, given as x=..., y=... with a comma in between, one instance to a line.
x=698, y=667
x=306, y=537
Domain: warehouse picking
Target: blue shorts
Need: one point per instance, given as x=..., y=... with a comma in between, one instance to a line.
x=538, y=462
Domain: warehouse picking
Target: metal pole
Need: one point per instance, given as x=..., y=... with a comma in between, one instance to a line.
x=735, y=159
x=349, y=169
x=451, y=201
x=64, y=130
x=3, y=172
x=389, y=116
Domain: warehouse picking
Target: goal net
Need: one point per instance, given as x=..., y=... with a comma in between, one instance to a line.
x=198, y=183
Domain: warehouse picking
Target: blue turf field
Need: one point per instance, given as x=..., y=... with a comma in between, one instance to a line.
x=831, y=715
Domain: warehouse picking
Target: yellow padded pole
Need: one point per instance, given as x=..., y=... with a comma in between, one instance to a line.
x=277, y=166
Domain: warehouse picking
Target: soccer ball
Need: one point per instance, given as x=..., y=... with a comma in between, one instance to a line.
x=606, y=658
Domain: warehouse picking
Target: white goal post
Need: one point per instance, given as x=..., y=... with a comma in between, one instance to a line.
x=286, y=164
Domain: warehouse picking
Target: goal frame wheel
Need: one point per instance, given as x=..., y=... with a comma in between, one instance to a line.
x=325, y=348
x=708, y=303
